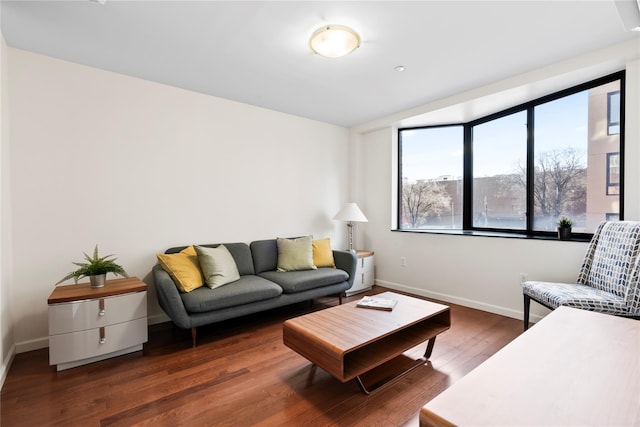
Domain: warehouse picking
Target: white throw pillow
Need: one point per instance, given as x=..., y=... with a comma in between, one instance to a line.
x=217, y=265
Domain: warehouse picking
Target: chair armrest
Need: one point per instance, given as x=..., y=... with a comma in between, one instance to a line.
x=169, y=298
x=347, y=261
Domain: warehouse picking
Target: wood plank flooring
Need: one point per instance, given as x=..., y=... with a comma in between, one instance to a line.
x=241, y=374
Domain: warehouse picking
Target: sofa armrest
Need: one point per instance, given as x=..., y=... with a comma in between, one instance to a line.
x=169, y=298
x=347, y=261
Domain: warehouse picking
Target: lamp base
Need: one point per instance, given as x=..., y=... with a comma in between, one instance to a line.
x=350, y=233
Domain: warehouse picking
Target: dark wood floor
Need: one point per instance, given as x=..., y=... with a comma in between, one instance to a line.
x=240, y=374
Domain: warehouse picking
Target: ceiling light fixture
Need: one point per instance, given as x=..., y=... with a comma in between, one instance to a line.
x=334, y=41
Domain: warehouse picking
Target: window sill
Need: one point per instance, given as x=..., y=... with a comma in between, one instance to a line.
x=577, y=237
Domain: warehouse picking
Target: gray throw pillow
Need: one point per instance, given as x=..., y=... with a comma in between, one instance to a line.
x=217, y=265
x=295, y=254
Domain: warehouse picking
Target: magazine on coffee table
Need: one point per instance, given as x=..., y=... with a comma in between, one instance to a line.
x=377, y=303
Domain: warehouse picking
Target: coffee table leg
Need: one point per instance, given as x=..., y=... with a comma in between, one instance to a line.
x=419, y=362
x=362, y=387
x=430, y=344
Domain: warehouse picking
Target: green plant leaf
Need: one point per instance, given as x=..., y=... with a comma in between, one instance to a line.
x=95, y=265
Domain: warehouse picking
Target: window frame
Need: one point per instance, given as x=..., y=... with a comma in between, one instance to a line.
x=467, y=220
x=400, y=186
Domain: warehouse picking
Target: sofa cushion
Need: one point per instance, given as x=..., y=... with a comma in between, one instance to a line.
x=295, y=254
x=322, y=253
x=298, y=281
x=217, y=265
x=265, y=255
x=246, y=290
x=183, y=268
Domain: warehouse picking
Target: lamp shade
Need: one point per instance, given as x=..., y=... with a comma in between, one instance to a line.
x=351, y=212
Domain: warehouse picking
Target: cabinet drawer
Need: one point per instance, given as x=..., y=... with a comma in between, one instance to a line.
x=367, y=278
x=95, y=313
x=95, y=342
x=367, y=264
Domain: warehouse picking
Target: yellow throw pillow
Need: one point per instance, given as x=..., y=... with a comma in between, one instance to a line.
x=183, y=268
x=323, y=254
x=189, y=250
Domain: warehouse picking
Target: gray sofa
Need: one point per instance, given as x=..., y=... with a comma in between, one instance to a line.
x=260, y=287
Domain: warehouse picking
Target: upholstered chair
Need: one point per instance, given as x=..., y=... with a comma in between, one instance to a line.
x=608, y=278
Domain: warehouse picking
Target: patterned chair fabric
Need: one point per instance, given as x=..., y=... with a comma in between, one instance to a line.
x=608, y=281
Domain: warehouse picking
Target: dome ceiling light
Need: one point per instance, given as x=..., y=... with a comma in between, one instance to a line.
x=334, y=41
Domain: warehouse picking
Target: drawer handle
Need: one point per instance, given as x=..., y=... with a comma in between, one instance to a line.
x=101, y=313
x=103, y=339
x=101, y=307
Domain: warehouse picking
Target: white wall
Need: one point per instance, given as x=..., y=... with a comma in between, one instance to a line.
x=136, y=167
x=482, y=272
x=6, y=325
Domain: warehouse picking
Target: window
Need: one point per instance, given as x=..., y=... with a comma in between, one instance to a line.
x=613, y=174
x=519, y=170
x=613, y=113
x=499, y=156
x=431, y=185
x=560, y=164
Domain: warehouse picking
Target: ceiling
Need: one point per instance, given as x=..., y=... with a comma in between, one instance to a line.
x=256, y=52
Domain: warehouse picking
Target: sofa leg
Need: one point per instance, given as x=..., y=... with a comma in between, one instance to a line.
x=527, y=305
x=193, y=337
x=340, y=298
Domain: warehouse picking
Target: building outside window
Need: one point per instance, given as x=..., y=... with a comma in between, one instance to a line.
x=613, y=217
x=613, y=113
x=613, y=174
x=518, y=170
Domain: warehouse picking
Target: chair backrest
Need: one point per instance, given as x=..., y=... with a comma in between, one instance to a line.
x=612, y=262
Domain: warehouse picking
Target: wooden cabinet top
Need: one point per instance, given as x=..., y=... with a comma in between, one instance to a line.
x=83, y=291
x=362, y=254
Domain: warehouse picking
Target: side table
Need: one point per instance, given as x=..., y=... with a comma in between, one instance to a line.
x=90, y=324
x=364, y=273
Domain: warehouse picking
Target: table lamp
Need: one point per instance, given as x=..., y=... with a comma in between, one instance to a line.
x=350, y=213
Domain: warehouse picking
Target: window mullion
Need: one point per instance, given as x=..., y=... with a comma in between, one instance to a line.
x=467, y=181
x=530, y=173
x=622, y=144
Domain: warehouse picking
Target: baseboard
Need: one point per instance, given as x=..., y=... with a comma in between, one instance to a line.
x=30, y=345
x=503, y=311
x=6, y=365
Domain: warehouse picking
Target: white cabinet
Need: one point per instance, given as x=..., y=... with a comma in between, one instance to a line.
x=364, y=273
x=88, y=324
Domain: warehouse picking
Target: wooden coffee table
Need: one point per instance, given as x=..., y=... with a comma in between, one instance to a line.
x=365, y=344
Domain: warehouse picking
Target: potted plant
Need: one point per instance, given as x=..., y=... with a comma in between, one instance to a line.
x=564, y=228
x=96, y=269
